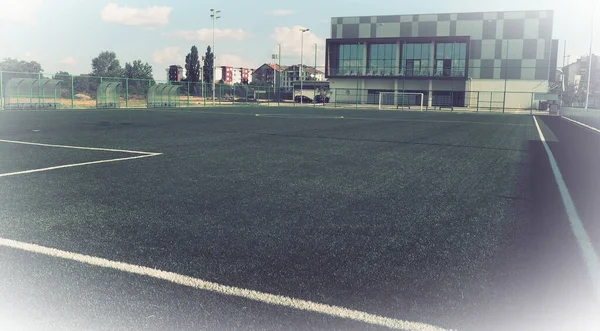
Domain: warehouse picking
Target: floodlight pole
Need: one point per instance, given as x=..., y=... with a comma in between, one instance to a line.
x=302, y=63
x=589, y=77
x=214, y=17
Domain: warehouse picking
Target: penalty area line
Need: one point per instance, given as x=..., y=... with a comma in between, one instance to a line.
x=200, y=284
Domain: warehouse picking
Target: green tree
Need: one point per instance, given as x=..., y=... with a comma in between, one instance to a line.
x=192, y=69
x=9, y=64
x=192, y=66
x=106, y=64
x=209, y=62
x=140, y=77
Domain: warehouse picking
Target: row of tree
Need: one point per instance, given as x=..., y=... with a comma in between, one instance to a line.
x=106, y=64
x=192, y=66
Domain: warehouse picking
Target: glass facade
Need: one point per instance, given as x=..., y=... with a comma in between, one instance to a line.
x=450, y=59
x=382, y=60
x=416, y=59
x=350, y=60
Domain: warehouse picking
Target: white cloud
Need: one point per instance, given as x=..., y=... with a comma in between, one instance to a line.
x=169, y=55
x=232, y=60
x=280, y=12
x=150, y=17
x=69, y=60
x=27, y=54
x=207, y=34
x=20, y=11
x=290, y=40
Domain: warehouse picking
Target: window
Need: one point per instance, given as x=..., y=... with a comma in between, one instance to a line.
x=450, y=59
x=382, y=59
x=416, y=59
x=350, y=59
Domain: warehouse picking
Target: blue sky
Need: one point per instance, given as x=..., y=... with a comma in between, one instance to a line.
x=67, y=34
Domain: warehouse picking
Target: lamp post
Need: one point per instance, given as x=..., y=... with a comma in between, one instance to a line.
x=302, y=63
x=214, y=16
x=589, y=77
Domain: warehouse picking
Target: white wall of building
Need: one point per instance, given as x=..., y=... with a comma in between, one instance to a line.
x=519, y=93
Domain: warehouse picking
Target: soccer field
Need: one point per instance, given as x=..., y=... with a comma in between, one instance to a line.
x=295, y=219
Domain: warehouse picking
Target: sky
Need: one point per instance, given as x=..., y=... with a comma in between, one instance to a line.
x=64, y=35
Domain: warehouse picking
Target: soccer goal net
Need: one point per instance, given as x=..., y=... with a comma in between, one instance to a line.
x=400, y=100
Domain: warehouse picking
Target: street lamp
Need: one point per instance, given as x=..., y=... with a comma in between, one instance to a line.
x=302, y=64
x=589, y=78
x=214, y=15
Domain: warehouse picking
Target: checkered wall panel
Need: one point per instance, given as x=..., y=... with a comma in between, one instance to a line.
x=516, y=44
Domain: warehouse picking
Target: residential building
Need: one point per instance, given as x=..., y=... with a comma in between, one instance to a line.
x=268, y=74
x=232, y=75
x=174, y=73
x=443, y=55
x=291, y=75
x=576, y=73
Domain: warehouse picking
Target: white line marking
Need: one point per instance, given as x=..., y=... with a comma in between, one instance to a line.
x=77, y=165
x=589, y=254
x=200, y=284
x=77, y=147
x=299, y=117
x=584, y=125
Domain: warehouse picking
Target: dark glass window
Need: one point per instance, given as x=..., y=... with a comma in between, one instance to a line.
x=416, y=59
x=350, y=60
x=382, y=59
x=450, y=59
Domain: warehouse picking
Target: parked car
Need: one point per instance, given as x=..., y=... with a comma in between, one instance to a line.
x=305, y=99
x=319, y=99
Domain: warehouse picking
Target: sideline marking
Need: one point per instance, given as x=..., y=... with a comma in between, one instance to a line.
x=584, y=125
x=78, y=147
x=200, y=284
x=310, y=116
x=77, y=165
x=589, y=254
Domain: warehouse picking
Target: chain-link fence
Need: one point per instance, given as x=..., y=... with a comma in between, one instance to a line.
x=80, y=92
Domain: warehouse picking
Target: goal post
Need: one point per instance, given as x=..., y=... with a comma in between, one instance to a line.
x=396, y=100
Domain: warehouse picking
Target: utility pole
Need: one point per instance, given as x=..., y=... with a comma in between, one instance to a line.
x=214, y=16
x=564, y=54
x=302, y=64
x=590, y=58
x=315, y=79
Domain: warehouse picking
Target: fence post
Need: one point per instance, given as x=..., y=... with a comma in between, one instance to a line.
x=1, y=93
x=477, y=110
x=531, y=105
x=491, y=97
x=72, y=93
x=126, y=92
x=334, y=98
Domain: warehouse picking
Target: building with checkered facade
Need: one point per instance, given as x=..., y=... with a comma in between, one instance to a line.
x=443, y=55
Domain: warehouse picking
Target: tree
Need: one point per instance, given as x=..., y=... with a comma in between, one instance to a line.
x=192, y=66
x=106, y=64
x=209, y=62
x=192, y=69
x=140, y=77
x=15, y=65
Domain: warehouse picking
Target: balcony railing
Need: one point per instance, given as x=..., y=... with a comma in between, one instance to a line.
x=395, y=71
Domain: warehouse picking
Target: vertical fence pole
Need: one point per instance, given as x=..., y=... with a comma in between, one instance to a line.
x=531, y=105
x=72, y=93
x=1, y=93
x=334, y=98
x=188, y=93
x=491, y=97
x=477, y=110
x=126, y=92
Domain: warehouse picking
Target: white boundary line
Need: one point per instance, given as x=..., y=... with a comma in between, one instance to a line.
x=142, y=155
x=78, y=147
x=584, y=125
x=200, y=284
x=77, y=165
x=589, y=254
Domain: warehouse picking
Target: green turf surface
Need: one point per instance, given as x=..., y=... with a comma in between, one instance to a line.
x=415, y=216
